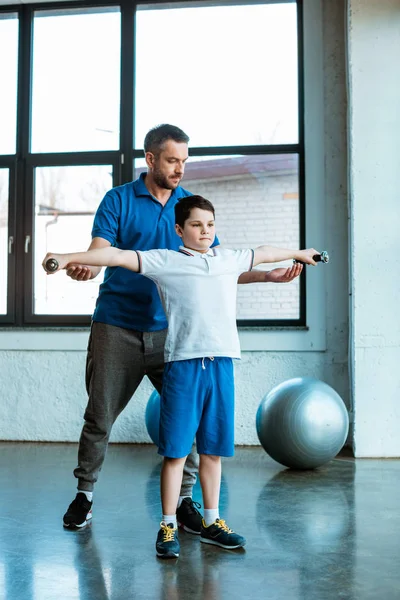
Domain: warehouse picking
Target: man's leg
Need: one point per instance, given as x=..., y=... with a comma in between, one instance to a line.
x=114, y=369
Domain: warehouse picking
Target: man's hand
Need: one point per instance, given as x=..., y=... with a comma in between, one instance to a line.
x=282, y=275
x=81, y=272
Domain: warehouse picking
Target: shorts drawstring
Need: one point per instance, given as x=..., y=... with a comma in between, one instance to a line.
x=203, y=366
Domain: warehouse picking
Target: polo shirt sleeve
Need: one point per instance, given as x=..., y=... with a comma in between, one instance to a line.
x=244, y=259
x=152, y=263
x=106, y=220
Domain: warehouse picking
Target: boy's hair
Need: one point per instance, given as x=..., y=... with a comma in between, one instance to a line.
x=185, y=205
x=157, y=136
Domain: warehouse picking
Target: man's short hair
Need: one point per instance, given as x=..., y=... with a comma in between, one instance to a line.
x=185, y=205
x=157, y=136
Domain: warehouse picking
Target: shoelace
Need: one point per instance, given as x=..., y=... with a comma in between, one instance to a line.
x=222, y=525
x=168, y=533
x=193, y=506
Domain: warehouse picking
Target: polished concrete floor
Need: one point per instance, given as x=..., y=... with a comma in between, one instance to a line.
x=332, y=533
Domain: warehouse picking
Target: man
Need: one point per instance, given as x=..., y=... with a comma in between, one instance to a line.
x=129, y=325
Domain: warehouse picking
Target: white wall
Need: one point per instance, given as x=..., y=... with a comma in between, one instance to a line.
x=42, y=391
x=374, y=126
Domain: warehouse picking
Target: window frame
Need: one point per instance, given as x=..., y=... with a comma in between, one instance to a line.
x=21, y=193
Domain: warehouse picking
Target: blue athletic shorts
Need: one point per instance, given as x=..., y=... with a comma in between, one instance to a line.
x=197, y=401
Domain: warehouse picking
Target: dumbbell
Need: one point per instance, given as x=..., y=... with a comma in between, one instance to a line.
x=323, y=257
x=51, y=265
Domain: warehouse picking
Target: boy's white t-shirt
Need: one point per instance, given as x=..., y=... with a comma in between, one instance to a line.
x=198, y=292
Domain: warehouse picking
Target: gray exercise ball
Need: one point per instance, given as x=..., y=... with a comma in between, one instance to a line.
x=302, y=423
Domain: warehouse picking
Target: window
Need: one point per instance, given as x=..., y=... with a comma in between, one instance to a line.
x=234, y=71
x=92, y=80
x=4, y=240
x=66, y=199
x=75, y=93
x=8, y=78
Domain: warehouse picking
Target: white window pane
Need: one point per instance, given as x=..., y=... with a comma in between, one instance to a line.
x=66, y=199
x=228, y=74
x=8, y=78
x=76, y=80
x=256, y=199
x=4, y=178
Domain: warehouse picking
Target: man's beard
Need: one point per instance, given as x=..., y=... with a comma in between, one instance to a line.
x=162, y=181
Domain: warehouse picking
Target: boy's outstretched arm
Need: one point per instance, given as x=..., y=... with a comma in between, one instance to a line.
x=268, y=254
x=100, y=257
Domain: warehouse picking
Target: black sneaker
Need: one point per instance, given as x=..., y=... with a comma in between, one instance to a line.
x=79, y=513
x=219, y=534
x=189, y=517
x=167, y=544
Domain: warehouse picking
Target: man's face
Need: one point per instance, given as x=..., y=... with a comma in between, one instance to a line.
x=198, y=232
x=167, y=168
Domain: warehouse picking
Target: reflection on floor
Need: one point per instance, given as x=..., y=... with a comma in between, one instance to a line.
x=325, y=534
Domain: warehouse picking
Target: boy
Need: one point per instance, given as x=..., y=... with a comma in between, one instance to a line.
x=197, y=286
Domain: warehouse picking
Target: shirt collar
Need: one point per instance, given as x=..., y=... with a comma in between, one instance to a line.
x=191, y=252
x=141, y=190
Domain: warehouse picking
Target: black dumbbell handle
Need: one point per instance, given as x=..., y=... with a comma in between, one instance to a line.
x=323, y=257
x=51, y=265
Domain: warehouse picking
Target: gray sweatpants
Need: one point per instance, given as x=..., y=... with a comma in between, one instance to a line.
x=117, y=361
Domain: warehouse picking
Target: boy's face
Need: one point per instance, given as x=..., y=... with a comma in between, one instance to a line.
x=198, y=232
x=168, y=167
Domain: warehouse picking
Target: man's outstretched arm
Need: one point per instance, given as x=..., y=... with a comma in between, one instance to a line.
x=279, y=275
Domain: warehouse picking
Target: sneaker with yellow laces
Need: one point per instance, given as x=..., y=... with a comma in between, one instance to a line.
x=167, y=544
x=219, y=534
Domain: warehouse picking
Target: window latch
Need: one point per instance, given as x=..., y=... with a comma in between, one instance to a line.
x=10, y=244
x=27, y=242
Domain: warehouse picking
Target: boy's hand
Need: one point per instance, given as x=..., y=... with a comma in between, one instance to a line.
x=306, y=256
x=62, y=263
x=79, y=272
x=282, y=275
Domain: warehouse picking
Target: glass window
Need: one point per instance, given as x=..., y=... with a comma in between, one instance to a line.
x=66, y=199
x=256, y=199
x=227, y=74
x=8, y=78
x=76, y=80
x=4, y=178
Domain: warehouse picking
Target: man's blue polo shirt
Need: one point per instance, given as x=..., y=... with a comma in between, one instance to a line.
x=130, y=218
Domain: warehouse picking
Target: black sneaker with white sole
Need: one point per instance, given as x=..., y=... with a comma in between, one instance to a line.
x=189, y=517
x=219, y=534
x=79, y=513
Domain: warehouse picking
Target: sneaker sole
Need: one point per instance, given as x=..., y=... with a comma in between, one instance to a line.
x=88, y=521
x=185, y=528
x=169, y=555
x=214, y=543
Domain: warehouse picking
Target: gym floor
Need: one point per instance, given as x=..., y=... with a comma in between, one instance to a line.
x=332, y=533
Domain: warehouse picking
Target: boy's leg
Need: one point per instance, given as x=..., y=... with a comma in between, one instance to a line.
x=154, y=371
x=214, y=530
x=170, y=485
x=114, y=369
x=167, y=544
x=179, y=418
x=210, y=479
x=215, y=438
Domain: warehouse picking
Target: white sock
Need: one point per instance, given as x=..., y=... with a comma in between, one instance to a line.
x=210, y=515
x=89, y=495
x=181, y=498
x=170, y=519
